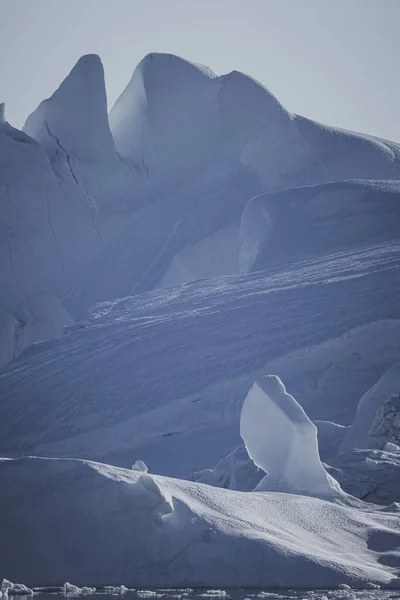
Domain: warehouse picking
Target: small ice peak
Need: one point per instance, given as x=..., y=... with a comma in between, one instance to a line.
x=140, y=466
x=2, y=113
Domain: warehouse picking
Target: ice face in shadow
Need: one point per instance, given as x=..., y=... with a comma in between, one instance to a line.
x=376, y=421
x=282, y=441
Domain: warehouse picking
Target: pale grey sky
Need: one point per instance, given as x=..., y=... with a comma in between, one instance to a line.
x=336, y=61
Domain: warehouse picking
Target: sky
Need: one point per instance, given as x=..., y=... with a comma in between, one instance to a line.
x=335, y=61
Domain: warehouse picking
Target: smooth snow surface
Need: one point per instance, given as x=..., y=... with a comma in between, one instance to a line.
x=122, y=523
x=282, y=441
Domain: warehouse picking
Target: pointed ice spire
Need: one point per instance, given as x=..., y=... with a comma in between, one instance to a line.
x=282, y=441
x=74, y=119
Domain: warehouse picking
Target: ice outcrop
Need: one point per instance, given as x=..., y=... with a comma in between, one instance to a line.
x=282, y=441
x=378, y=415
x=371, y=475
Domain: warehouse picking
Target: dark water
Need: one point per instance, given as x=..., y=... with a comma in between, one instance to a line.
x=221, y=594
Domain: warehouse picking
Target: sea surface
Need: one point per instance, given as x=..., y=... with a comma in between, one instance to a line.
x=344, y=593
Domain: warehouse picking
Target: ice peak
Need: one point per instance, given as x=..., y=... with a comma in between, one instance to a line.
x=163, y=117
x=155, y=62
x=89, y=69
x=75, y=116
x=89, y=61
x=2, y=112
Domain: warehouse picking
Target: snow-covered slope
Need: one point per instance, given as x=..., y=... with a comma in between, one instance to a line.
x=162, y=376
x=131, y=527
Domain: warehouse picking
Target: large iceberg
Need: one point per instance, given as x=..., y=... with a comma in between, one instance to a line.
x=183, y=185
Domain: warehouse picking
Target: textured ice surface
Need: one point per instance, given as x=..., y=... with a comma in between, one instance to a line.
x=126, y=526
